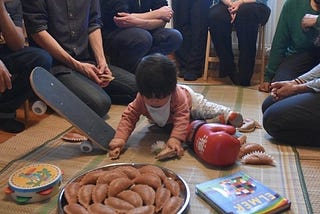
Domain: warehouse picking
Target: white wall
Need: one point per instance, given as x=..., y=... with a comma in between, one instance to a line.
x=169, y=24
x=275, y=6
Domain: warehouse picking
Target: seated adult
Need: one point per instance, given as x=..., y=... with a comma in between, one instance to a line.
x=244, y=16
x=16, y=64
x=71, y=32
x=293, y=51
x=291, y=114
x=134, y=29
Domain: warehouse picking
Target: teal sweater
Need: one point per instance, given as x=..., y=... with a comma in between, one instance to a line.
x=289, y=37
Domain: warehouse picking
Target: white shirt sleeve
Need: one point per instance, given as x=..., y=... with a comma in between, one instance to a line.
x=312, y=78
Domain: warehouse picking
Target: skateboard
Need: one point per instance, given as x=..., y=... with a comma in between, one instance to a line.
x=57, y=96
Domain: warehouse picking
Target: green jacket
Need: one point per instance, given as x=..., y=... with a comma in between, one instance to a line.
x=289, y=37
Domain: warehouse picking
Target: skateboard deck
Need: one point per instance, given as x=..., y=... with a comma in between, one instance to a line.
x=68, y=105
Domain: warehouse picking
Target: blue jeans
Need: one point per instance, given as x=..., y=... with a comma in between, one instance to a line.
x=294, y=120
x=20, y=64
x=125, y=47
x=121, y=90
x=295, y=65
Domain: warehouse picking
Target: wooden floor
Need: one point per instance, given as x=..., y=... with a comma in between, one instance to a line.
x=212, y=80
x=33, y=119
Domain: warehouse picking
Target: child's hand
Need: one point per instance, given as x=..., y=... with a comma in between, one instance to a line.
x=175, y=144
x=116, y=146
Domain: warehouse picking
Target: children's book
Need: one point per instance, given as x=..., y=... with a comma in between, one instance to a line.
x=239, y=193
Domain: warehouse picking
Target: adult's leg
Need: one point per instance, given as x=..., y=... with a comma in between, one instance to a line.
x=267, y=103
x=199, y=28
x=165, y=40
x=221, y=34
x=191, y=19
x=20, y=64
x=246, y=24
x=123, y=88
x=87, y=90
x=297, y=64
x=294, y=120
x=126, y=47
x=181, y=22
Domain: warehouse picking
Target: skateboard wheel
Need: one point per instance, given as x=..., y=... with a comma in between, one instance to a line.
x=86, y=146
x=39, y=107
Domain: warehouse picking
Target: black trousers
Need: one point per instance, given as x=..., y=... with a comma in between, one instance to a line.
x=191, y=19
x=246, y=24
x=20, y=64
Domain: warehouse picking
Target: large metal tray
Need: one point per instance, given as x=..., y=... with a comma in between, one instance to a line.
x=184, y=189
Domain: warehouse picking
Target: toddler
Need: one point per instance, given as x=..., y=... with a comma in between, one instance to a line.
x=163, y=102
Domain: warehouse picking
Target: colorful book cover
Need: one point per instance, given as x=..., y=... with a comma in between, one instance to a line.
x=239, y=193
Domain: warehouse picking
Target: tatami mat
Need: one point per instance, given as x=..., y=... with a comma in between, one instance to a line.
x=43, y=143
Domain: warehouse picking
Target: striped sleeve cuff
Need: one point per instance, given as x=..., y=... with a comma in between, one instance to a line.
x=299, y=81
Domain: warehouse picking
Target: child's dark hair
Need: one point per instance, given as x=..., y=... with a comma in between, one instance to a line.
x=156, y=76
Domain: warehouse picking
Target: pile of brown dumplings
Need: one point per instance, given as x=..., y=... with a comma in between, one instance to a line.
x=124, y=189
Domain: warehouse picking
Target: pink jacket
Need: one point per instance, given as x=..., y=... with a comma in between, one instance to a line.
x=180, y=106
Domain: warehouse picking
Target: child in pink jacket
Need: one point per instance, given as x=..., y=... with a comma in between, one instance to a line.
x=163, y=102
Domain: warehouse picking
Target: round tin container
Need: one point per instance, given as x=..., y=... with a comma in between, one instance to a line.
x=185, y=192
x=33, y=183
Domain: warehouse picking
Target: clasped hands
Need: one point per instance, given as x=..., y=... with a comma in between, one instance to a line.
x=165, y=13
x=233, y=8
x=101, y=73
x=280, y=90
